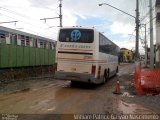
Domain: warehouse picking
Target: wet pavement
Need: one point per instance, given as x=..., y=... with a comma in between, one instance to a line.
x=49, y=96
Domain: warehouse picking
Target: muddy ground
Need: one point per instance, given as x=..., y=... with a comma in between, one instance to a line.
x=44, y=97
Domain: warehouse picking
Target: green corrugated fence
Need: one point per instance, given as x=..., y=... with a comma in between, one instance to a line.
x=21, y=56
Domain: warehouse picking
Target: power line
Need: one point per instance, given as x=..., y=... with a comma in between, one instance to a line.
x=131, y=35
x=51, y=9
x=9, y=22
x=23, y=21
x=143, y=10
x=151, y=20
x=60, y=15
x=18, y=14
x=13, y=12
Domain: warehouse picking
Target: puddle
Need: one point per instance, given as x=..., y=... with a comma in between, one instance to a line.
x=127, y=94
x=122, y=87
x=20, y=91
x=127, y=108
x=131, y=74
x=44, y=105
x=51, y=109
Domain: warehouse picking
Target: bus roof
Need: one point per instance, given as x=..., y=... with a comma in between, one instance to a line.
x=79, y=27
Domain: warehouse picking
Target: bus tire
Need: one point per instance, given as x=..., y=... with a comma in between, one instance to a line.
x=117, y=70
x=74, y=83
x=108, y=74
x=105, y=77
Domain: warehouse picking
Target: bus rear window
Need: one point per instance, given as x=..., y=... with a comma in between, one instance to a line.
x=76, y=35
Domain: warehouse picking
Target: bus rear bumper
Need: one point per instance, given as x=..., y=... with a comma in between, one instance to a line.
x=81, y=77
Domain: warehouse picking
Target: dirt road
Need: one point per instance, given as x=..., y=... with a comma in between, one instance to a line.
x=49, y=96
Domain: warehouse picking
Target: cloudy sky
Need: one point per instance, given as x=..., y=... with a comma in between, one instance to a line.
x=114, y=24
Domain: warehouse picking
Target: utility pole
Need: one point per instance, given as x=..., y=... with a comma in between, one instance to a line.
x=60, y=15
x=151, y=37
x=145, y=42
x=137, y=31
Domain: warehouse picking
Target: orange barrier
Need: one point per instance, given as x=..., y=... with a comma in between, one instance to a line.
x=146, y=81
x=150, y=80
x=117, y=90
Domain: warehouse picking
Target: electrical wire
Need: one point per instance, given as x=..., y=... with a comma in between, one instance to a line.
x=13, y=12
x=131, y=35
x=24, y=16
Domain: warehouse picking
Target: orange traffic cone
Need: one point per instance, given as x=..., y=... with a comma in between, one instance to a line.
x=117, y=91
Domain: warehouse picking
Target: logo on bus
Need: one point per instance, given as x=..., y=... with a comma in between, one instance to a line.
x=75, y=35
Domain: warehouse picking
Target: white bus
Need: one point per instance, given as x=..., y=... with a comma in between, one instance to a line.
x=85, y=55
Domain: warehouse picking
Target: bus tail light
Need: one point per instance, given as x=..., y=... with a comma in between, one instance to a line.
x=93, y=69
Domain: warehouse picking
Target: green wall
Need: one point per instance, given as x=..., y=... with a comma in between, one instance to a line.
x=22, y=56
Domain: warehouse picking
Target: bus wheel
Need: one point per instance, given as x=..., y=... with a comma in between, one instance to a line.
x=73, y=83
x=105, y=76
x=117, y=70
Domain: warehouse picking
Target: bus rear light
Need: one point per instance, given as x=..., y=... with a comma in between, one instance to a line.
x=93, y=71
